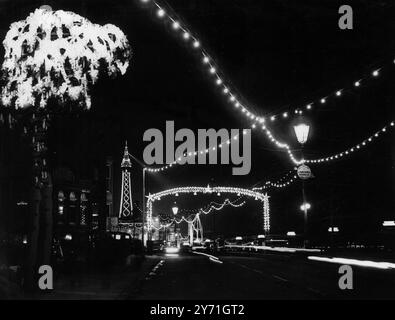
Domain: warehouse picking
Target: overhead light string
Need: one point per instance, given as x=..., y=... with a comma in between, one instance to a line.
x=226, y=89
x=356, y=147
x=193, y=154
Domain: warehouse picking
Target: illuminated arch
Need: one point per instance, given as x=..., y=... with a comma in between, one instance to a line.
x=263, y=197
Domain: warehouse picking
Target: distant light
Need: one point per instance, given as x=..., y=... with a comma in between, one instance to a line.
x=239, y=238
x=196, y=44
x=206, y=59
x=186, y=35
x=338, y=93
x=305, y=206
x=161, y=13
x=68, y=237
x=24, y=241
x=323, y=100
x=117, y=237
x=21, y=203
x=261, y=236
x=389, y=224
x=375, y=73
x=176, y=25
x=212, y=70
x=285, y=114
x=357, y=84
x=127, y=236
x=333, y=229
x=291, y=233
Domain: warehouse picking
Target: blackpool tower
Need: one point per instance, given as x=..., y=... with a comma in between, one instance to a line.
x=125, y=206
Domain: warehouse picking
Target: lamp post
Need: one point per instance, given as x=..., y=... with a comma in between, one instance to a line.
x=302, y=134
x=174, y=208
x=143, y=215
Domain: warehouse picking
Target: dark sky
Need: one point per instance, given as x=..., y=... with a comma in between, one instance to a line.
x=278, y=54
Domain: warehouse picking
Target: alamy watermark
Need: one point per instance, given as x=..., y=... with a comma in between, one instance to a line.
x=234, y=147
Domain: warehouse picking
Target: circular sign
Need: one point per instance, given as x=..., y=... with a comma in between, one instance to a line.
x=304, y=172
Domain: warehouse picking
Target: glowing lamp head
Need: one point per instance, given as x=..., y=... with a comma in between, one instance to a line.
x=174, y=209
x=302, y=132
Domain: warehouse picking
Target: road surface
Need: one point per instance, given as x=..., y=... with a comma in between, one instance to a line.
x=267, y=276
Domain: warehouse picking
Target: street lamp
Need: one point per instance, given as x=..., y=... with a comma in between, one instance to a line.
x=302, y=134
x=174, y=209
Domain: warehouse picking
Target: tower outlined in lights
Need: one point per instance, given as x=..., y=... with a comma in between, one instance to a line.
x=125, y=206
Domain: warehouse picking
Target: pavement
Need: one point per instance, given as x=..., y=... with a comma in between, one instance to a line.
x=268, y=276
x=114, y=283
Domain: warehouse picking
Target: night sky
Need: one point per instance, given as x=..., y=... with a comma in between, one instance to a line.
x=279, y=55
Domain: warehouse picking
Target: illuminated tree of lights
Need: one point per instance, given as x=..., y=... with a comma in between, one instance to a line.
x=58, y=56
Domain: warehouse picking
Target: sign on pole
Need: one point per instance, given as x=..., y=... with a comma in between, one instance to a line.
x=304, y=172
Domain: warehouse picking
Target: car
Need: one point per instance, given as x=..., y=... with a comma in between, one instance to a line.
x=171, y=247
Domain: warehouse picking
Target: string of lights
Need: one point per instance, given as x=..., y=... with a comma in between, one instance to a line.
x=221, y=206
x=356, y=147
x=226, y=89
x=208, y=189
x=263, y=197
x=283, y=182
x=192, y=154
x=212, y=205
x=212, y=68
x=315, y=104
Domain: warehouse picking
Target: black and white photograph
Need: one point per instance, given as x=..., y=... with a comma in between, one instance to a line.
x=193, y=156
